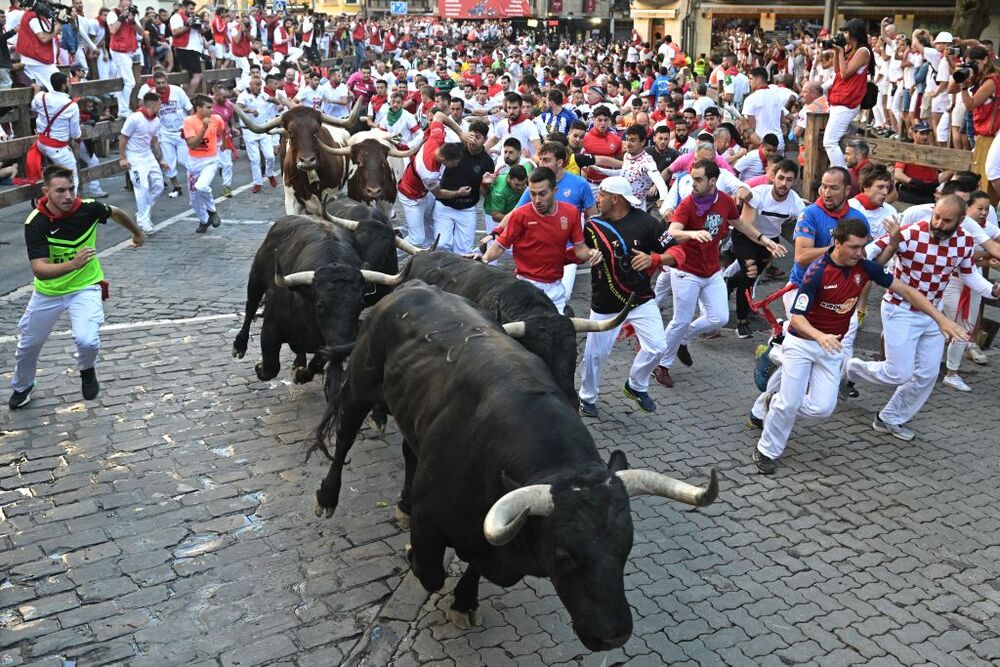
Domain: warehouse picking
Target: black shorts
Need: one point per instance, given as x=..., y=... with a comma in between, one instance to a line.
x=190, y=61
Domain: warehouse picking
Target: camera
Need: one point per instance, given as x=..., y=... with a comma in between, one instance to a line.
x=963, y=74
x=46, y=10
x=838, y=40
x=195, y=23
x=955, y=51
x=133, y=10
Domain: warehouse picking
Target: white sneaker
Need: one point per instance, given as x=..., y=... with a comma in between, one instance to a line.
x=956, y=382
x=174, y=194
x=145, y=226
x=975, y=354
x=895, y=430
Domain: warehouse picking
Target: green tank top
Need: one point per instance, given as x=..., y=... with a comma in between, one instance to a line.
x=63, y=250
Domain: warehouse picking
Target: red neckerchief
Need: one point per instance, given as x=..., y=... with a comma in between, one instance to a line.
x=680, y=144
x=763, y=159
x=290, y=89
x=44, y=210
x=865, y=201
x=520, y=119
x=145, y=112
x=838, y=214
x=165, y=97
x=271, y=92
x=860, y=165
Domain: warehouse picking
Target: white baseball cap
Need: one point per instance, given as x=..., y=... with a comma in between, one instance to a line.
x=619, y=185
x=944, y=38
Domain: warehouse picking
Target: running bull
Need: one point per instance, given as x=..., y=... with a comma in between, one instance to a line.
x=313, y=274
x=498, y=465
x=523, y=309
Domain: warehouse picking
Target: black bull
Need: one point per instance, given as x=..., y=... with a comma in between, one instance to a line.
x=498, y=465
x=311, y=273
x=524, y=310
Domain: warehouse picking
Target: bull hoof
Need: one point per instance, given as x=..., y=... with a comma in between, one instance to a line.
x=238, y=353
x=261, y=374
x=301, y=375
x=377, y=425
x=324, y=512
x=408, y=552
x=466, y=620
x=402, y=518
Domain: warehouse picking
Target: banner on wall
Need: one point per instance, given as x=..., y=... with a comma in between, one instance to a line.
x=485, y=9
x=555, y=6
x=589, y=7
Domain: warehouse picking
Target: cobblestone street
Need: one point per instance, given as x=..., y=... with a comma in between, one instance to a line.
x=170, y=521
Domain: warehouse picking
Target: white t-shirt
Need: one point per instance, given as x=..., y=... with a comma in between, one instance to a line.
x=174, y=110
x=140, y=132
x=526, y=131
x=265, y=111
x=66, y=125
x=406, y=126
x=771, y=213
x=682, y=187
x=338, y=92
x=636, y=170
x=876, y=218
x=310, y=97
x=195, y=41
x=767, y=106
x=750, y=165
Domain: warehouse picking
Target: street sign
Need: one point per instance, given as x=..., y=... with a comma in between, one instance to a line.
x=399, y=7
x=279, y=5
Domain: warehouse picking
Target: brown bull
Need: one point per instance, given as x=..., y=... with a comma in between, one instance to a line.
x=307, y=171
x=376, y=166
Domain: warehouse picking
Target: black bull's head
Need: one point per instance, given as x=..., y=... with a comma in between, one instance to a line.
x=583, y=536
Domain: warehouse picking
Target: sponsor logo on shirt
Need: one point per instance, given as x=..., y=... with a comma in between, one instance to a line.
x=840, y=308
x=801, y=302
x=712, y=223
x=564, y=223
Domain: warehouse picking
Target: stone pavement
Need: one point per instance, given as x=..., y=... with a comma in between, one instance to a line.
x=170, y=521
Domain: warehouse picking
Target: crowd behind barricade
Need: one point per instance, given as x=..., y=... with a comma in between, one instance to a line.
x=670, y=175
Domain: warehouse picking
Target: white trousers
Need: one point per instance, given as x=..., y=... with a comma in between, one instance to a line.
x=123, y=63
x=456, y=227
x=661, y=288
x=86, y=316
x=709, y=294
x=80, y=58
x=949, y=306
x=569, y=279
x=226, y=165
x=147, y=185
x=913, y=355
x=806, y=387
x=91, y=160
x=554, y=290
x=64, y=157
x=106, y=69
x=40, y=73
x=648, y=329
x=201, y=173
x=257, y=144
x=175, y=150
x=415, y=212
x=836, y=127
x=992, y=166
x=243, y=63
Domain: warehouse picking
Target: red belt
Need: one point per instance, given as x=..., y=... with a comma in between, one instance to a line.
x=46, y=140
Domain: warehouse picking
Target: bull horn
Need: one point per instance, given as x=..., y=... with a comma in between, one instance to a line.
x=515, y=329
x=342, y=222
x=395, y=152
x=294, y=279
x=254, y=127
x=587, y=325
x=277, y=132
x=350, y=121
x=343, y=151
x=380, y=278
x=649, y=483
x=406, y=246
x=507, y=516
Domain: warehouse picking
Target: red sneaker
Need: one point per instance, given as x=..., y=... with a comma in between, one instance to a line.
x=273, y=181
x=256, y=188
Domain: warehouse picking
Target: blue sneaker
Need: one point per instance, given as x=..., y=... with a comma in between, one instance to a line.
x=588, y=409
x=641, y=398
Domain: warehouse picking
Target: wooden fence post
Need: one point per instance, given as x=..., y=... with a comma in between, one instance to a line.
x=816, y=160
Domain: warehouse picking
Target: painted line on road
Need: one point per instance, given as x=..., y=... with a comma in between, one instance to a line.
x=107, y=252
x=124, y=326
x=234, y=222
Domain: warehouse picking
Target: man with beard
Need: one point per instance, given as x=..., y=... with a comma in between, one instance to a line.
x=769, y=207
x=699, y=224
x=928, y=254
x=682, y=141
x=813, y=352
x=174, y=108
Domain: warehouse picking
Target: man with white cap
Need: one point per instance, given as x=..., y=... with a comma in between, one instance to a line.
x=622, y=232
x=941, y=102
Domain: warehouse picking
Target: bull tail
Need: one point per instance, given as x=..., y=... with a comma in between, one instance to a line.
x=336, y=354
x=327, y=425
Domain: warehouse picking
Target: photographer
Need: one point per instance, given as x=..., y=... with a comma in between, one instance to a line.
x=852, y=60
x=242, y=32
x=978, y=83
x=125, y=30
x=188, y=42
x=36, y=43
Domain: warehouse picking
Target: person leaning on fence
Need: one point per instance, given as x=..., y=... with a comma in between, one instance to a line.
x=58, y=124
x=851, y=62
x=61, y=239
x=188, y=42
x=979, y=89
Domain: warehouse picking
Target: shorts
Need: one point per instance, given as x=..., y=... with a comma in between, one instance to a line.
x=958, y=113
x=219, y=51
x=941, y=102
x=190, y=61
x=907, y=98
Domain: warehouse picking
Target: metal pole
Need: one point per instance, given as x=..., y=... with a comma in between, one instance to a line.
x=829, y=9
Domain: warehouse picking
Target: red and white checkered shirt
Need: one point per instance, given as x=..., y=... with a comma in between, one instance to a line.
x=926, y=264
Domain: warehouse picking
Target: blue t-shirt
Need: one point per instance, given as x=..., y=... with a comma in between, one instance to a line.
x=816, y=224
x=660, y=87
x=559, y=122
x=571, y=189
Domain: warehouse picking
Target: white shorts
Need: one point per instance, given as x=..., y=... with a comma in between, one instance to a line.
x=941, y=102
x=958, y=112
x=992, y=166
x=219, y=50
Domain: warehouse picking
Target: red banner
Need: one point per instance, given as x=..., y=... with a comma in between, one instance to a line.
x=484, y=9
x=555, y=6
x=589, y=6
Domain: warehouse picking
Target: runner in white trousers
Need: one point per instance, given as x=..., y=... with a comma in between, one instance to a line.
x=255, y=104
x=928, y=253
x=174, y=108
x=201, y=131
x=139, y=153
x=125, y=34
